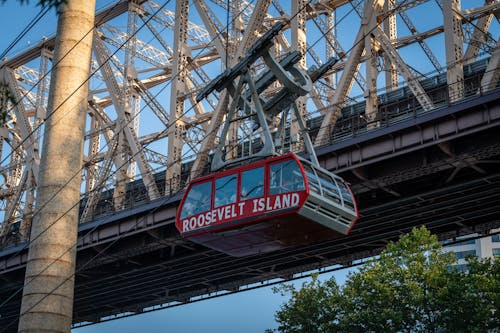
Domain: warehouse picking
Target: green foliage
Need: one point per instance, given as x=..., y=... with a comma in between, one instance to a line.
x=409, y=288
x=397, y=289
x=316, y=307
x=475, y=296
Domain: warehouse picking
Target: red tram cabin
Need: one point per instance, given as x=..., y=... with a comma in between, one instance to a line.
x=265, y=206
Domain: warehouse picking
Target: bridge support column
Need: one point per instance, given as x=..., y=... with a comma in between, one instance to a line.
x=179, y=73
x=453, y=39
x=47, y=303
x=299, y=44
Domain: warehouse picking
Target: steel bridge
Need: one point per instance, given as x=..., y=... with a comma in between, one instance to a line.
x=422, y=150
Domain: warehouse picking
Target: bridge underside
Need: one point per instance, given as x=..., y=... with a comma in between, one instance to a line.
x=131, y=262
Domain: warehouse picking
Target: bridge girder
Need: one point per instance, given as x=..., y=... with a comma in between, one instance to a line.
x=150, y=61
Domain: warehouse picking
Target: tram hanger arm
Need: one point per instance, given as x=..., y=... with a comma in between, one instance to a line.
x=283, y=99
x=266, y=79
x=316, y=74
x=263, y=44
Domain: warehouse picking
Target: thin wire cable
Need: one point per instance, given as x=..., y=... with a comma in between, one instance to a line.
x=44, y=76
x=486, y=34
x=43, y=11
x=156, y=95
x=141, y=110
x=114, y=53
x=129, y=121
x=96, y=226
x=125, y=124
x=79, y=171
x=167, y=198
x=164, y=200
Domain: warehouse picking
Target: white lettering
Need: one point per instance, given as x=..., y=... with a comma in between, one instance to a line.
x=281, y=201
x=201, y=220
x=192, y=223
x=261, y=204
x=277, y=203
x=286, y=201
x=220, y=213
x=241, y=205
x=227, y=212
x=268, y=204
x=255, y=201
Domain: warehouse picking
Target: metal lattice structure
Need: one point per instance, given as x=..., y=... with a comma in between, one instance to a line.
x=150, y=59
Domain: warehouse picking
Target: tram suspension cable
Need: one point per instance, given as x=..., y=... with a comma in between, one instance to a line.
x=43, y=11
x=132, y=119
x=3, y=303
x=167, y=84
x=79, y=171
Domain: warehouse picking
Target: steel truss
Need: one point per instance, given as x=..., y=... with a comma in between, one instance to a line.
x=150, y=59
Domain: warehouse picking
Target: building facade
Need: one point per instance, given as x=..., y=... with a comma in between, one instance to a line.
x=484, y=247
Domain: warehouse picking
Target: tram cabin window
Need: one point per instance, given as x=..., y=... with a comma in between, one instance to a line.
x=225, y=190
x=312, y=178
x=329, y=186
x=286, y=177
x=346, y=194
x=252, y=183
x=198, y=200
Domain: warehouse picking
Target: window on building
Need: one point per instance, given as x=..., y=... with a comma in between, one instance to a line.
x=225, y=190
x=459, y=268
x=495, y=238
x=252, y=183
x=466, y=242
x=496, y=252
x=451, y=242
x=465, y=254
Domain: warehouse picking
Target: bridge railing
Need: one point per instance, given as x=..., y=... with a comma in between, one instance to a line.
x=403, y=109
x=390, y=111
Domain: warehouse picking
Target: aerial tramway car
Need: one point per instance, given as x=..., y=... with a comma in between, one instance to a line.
x=266, y=202
x=265, y=206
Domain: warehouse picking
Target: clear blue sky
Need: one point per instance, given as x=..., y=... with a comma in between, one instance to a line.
x=246, y=312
